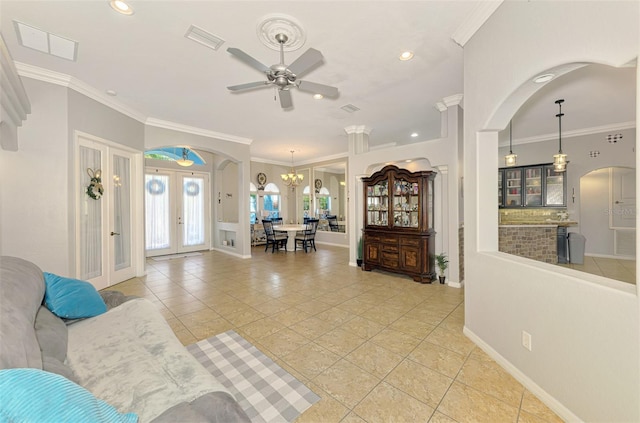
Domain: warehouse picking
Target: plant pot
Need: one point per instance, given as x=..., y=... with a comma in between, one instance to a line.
x=359, y=262
x=442, y=278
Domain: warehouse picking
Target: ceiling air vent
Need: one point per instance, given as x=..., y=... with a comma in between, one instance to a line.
x=203, y=37
x=349, y=108
x=45, y=42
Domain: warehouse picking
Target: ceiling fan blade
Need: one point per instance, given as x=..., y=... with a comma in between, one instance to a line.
x=304, y=63
x=248, y=59
x=249, y=85
x=285, y=99
x=312, y=87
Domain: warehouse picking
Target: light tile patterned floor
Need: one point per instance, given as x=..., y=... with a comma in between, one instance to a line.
x=620, y=270
x=376, y=347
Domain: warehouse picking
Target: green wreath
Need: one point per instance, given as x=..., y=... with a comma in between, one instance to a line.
x=95, y=189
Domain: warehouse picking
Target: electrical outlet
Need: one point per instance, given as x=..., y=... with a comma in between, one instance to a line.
x=526, y=340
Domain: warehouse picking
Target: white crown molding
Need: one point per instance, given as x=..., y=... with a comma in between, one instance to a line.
x=57, y=78
x=303, y=163
x=575, y=133
x=440, y=106
x=474, y=21
x=64, y=80
x=196, y=131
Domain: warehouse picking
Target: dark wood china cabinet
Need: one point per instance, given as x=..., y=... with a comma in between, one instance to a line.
x=398, y=223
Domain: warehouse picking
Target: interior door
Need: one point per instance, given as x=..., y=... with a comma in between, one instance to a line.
x=177, y=212
x=623, y=197
x=105, y=241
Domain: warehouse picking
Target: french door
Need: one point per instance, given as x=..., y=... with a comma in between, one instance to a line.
x=105, y=241
x=176, y=211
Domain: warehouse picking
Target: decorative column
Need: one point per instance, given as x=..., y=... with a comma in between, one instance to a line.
x=358, y=138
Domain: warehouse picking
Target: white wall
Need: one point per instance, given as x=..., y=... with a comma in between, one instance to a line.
x=35, y=183
x=585, y=357
x=594, y=191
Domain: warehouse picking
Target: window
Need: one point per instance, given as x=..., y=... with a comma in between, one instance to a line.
x=253, y=203
x=306, y=202
x=271, y=201
x=172, y=154
x=323, y=197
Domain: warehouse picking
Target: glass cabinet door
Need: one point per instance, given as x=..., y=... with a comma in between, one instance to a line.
x=513, y=179
x=554, y=184
x=377, y=204
x=406, y=196
x=533, y=186
x=500, y=191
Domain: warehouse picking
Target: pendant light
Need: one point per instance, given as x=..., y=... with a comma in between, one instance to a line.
x=510, y=159
x=560, y=159
x=184, y=161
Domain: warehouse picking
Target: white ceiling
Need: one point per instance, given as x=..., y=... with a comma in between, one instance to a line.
x=163, y=76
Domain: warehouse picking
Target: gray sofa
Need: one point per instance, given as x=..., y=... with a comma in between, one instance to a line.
x=127, y=357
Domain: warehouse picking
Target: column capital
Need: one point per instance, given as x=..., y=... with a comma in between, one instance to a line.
x=358, y=129
x=453, y=100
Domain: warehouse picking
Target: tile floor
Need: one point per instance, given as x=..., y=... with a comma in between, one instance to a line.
x=620, y=270
x=375, y=346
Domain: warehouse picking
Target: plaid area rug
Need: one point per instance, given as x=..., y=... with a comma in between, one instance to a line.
x=264, y=390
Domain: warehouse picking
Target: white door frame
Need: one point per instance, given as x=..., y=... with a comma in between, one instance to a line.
x=108, y=274
x=175, y=211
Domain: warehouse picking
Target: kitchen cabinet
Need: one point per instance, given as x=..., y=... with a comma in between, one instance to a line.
x=531, y=186
x=398, y=223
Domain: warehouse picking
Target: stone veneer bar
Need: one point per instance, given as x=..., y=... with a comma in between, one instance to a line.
x=536, y=242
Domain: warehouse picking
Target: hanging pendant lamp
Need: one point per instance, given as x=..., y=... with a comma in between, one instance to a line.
x=510, y=159
x=560, y=159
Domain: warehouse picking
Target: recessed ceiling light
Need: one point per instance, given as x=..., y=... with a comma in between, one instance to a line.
x=318, y=96
x=406, y=55
x=413, y=135
x=541, y=79
x=121, y=6
x=408, y=161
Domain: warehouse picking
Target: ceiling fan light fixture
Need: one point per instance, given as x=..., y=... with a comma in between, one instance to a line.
x=121, y=6
x=318, y=96
x=406, y=55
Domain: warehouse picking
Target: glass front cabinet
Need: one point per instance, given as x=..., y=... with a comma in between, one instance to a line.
x=398, y=223
x=531, y=186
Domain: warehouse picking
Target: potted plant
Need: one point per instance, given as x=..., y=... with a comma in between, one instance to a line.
x=443, y=262
x=360, y=249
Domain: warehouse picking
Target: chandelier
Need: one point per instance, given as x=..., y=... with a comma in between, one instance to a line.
x=292, y=179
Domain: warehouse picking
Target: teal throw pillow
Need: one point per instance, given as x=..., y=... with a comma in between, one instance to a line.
x=72, y=298
x=33, y=395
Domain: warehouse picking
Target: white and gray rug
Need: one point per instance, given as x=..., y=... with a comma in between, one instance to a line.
x=264, y=390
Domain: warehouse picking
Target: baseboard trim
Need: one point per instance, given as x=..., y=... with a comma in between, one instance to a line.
x=455, y=284
x=231, y=253
x=563, y=412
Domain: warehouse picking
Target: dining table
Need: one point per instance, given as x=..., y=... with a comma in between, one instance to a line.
x=291, y=229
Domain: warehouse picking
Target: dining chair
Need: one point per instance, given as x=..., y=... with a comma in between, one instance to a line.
x=333, y=223
x=273, y=239
x=308, y=237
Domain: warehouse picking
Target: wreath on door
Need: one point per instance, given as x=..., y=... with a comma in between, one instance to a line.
x=95, y=189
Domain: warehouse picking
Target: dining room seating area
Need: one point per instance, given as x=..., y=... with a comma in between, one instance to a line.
x=288, y=237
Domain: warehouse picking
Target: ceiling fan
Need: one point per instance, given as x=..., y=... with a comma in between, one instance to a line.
x=284, y=76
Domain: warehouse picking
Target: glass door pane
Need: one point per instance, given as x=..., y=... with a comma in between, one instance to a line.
x=500, y=173
x=405, y=203
x=533, y=186
x=514, y=187
x=554, y=184
x=91, y=215
x=377, y=204
x=122, y=213
x=192, y=219
x=157, y=200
